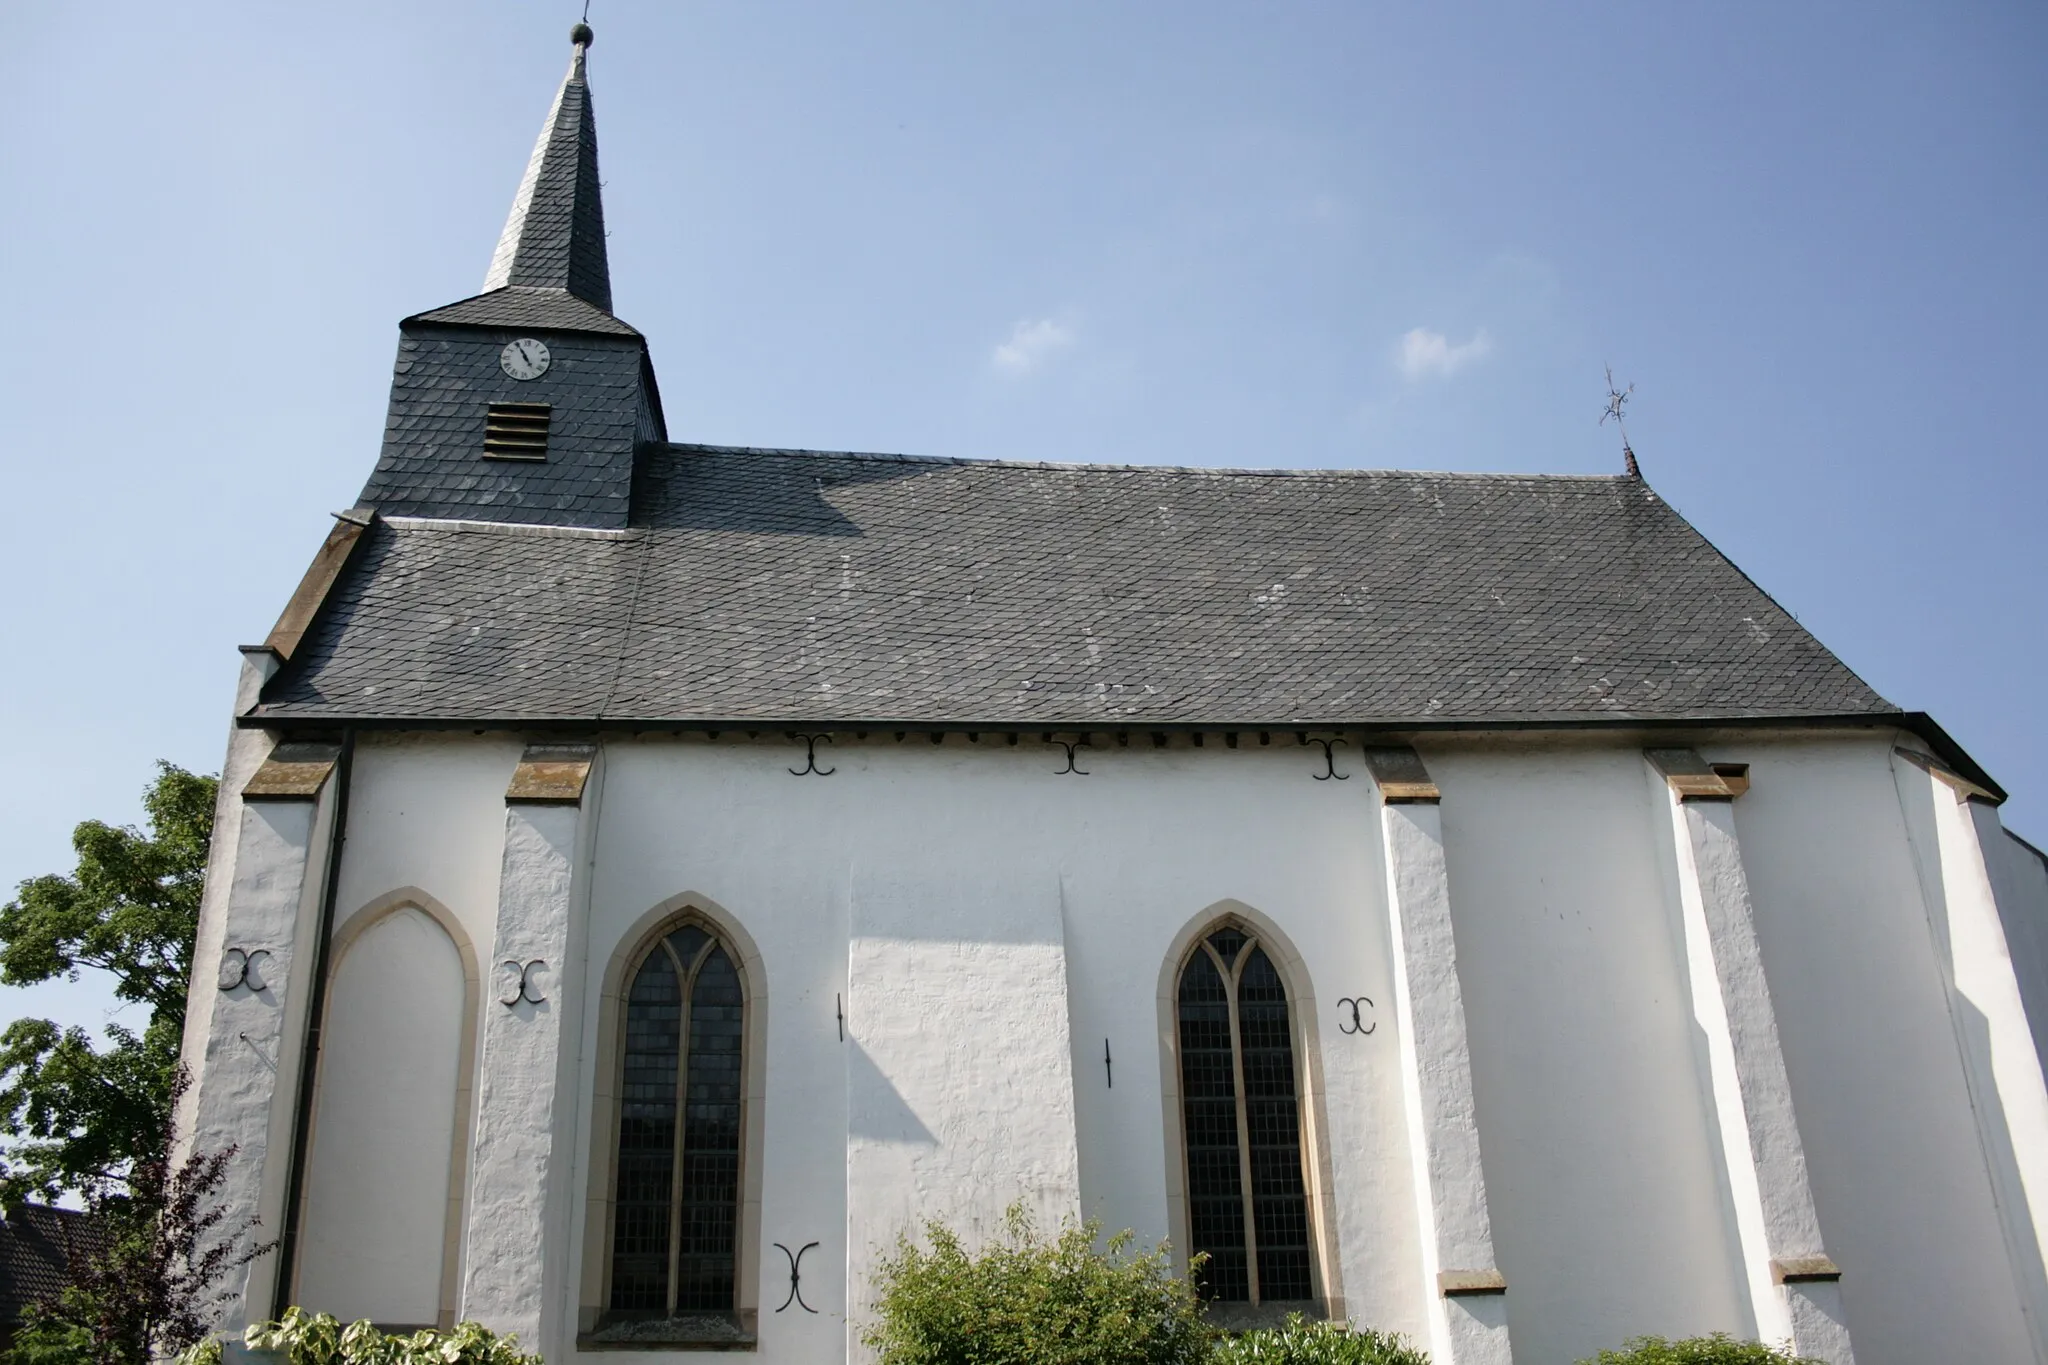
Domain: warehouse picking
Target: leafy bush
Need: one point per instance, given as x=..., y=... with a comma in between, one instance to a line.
x=1300, y=1342
x=1030, y=1300
x=1718, y=1349
x=318, y=1339
x=47, y=1339
x=207, y=1352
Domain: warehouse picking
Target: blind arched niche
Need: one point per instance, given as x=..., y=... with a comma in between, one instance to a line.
x=390, y=1118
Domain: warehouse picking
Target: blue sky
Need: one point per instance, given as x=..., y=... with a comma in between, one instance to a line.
x=1297, y=234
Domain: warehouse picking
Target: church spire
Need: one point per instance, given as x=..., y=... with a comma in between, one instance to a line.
x=554, y=237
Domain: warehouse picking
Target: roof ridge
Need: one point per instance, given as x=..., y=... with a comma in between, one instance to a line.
x=1112, y=467
x=539, y=529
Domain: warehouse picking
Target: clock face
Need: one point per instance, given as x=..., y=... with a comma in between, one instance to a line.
x=526, y=358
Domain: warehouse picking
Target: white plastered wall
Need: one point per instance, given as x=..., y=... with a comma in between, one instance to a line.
x=978, y=861
x=1608, y=1217
x=246, y=750
x=960, y=1096
x=427, y=813
x=2019, y=880
x=1898, y=1173
x=389, y=1097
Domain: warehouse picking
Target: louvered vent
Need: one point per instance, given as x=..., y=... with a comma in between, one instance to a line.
x=516, y=431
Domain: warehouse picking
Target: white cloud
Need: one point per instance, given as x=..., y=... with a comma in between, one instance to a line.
x=1425, y=354
x=1032, y=343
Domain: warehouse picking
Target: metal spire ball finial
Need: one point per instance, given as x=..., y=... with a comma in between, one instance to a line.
x=581, y=35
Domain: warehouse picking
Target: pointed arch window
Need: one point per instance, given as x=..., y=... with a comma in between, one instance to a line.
x=1241, y=1123
x=676, y=1195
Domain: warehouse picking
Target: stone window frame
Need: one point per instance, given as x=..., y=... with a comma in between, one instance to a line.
x=594, y=1296
x=1325, y=1273
x=359, y=922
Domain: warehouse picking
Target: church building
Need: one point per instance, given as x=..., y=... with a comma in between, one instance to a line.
x=652, y=877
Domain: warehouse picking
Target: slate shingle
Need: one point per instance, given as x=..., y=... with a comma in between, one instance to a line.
x=554, y=237
x=807, y=587
x=529, y=308
x=443, y=384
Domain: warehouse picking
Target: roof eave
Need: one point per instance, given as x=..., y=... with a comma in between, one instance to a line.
x=1917, y=723
x=619, y=326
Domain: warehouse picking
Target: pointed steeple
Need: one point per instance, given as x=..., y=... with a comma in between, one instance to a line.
x=554, y=237
x=531, y=401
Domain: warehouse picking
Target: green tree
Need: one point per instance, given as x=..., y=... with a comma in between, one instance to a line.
x=76, y=1117
x=1031, y=1300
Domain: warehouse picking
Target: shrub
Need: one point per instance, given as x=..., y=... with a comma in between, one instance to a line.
x=1030, y=1300
x=1299, y=1342
x=1718, y=1349
x=318, y=1339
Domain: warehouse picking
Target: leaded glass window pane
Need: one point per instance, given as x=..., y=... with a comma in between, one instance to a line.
x=711, y=1143
x=688, y=941
x=676, y=1210
x=1228, y=942
x=1242, y=1124
x=1208, y=1085
x=647, y=1138
x=1273, y=1113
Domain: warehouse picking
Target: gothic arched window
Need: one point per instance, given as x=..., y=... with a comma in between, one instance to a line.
x=677, y=1193
x=1241, y=1121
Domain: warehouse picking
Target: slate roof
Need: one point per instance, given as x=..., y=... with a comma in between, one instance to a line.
x=555, y=310
x=601, y=408
x=808, y=587
x=554, y=236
